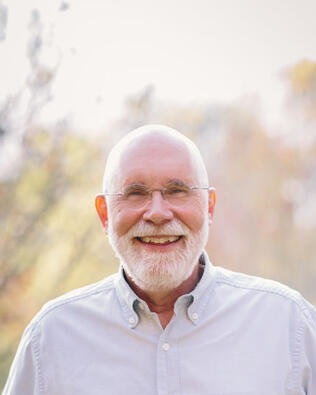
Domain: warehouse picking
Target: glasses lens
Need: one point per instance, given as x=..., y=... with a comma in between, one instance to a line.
x=136, y=195
x=176, y=194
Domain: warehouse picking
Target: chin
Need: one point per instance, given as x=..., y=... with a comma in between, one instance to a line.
x=155, y=271
x=158, y=273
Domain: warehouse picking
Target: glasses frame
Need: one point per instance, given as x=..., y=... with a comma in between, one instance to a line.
x=161, y=190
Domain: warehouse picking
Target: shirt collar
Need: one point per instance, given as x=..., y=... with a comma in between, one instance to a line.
x=127, y=298
x=203, y=290
x=195, y=301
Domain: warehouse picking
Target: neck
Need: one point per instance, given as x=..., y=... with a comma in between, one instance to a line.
x=162, y=301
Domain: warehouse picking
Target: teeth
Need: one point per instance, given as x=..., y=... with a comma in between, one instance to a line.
x=159, y=240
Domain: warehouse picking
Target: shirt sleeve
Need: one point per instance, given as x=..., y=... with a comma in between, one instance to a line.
x=307, y=351
x=24, y=375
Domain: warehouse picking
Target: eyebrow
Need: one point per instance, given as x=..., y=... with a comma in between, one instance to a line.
x=134, y=185
x=176, y=182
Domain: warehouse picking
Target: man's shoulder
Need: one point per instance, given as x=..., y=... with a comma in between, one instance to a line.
x=84, y=298
x=252, y=285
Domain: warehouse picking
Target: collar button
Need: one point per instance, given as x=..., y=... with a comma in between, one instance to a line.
x=195, y=316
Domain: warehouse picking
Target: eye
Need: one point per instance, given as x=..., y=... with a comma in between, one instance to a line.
x=176, y=191
x=135, y=193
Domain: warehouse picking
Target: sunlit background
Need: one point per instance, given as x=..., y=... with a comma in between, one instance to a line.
x=237, y=77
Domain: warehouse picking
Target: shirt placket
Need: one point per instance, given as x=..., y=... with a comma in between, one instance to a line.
x=168, y=379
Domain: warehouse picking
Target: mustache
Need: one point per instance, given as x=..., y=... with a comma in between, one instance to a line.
x=174, y=228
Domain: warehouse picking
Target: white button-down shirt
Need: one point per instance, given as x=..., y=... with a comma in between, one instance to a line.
x=233, y=334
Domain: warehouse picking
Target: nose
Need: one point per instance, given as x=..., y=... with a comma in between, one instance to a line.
x=158, y=210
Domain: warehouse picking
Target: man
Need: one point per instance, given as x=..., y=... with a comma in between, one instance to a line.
x=168, y=322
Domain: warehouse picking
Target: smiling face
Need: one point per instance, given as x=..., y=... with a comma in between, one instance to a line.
x=160, y=240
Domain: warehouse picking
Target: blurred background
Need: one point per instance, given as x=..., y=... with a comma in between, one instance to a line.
x=238, y=78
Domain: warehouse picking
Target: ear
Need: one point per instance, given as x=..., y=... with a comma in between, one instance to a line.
x=102, y=210
x=211, y=204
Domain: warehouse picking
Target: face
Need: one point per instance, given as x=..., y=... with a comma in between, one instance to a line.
x=158, y=242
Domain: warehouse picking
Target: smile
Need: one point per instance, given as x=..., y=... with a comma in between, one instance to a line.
x=159, y=239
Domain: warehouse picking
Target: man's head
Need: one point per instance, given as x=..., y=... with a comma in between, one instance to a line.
x=156, y=222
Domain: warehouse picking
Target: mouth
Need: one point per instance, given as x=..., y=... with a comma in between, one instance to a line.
x=159, y=240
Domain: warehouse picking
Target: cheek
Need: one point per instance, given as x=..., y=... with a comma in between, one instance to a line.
x=123, y=219
x=193, y=216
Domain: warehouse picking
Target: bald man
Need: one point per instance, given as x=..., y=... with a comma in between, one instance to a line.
x=169, y=322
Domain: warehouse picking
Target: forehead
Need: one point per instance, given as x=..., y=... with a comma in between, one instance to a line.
x=155, y=161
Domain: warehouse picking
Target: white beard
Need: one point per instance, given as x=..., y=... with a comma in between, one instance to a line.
x=159, y=271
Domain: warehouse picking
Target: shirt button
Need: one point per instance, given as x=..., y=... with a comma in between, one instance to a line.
x=131, y=320
x=195, y=316
x=165, y=346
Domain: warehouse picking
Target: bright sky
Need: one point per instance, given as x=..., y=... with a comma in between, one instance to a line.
x=190, y=50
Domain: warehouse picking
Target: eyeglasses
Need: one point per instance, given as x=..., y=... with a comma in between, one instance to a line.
x=176, y=193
